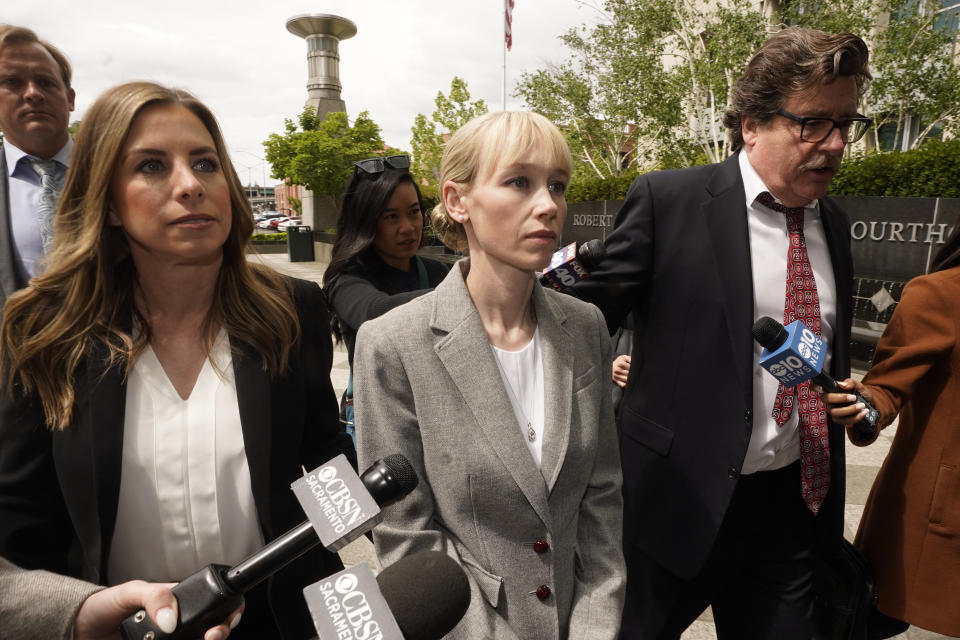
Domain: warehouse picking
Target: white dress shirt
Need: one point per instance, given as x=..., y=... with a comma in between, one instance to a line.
x=185, y=493
x=772, y=446
x=24, y=193
x=522, y=374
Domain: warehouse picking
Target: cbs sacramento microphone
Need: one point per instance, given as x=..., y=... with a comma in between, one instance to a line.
x=341, y=507
x=794, y=353
x=569, y=265
x=420, y=597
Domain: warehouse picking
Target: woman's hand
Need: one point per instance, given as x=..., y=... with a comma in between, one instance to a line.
x=621, y=369
x=101, y=614
x=842, y=407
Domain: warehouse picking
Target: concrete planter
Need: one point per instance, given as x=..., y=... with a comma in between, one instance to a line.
x=272, y=246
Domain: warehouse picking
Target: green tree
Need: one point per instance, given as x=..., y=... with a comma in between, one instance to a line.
x=319, y=153
x=911, y=54
x=915, y=71
x=430, y=136
x=649, y=85
x=833, y=16
x=715, y=48
x=296, y=204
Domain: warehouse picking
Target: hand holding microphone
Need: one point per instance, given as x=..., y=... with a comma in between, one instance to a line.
x=348, y=506
x=102, y=613
x=570, y=264
x=794, y=354
x=851, y=404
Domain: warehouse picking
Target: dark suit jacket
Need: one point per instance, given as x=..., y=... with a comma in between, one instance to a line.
x=59, y=491
x=10, y=279
x=679, y=257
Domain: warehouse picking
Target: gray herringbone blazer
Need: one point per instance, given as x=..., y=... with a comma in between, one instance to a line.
x=37, y=605
x=427, y=386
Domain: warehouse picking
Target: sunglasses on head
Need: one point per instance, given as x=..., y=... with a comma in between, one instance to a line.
x=376, y=166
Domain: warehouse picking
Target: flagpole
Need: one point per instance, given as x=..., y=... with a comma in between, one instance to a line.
x=503, y=93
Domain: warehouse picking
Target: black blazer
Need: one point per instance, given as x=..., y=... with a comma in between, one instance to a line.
x=10, y=276
x=59, y=491
x=679, y=258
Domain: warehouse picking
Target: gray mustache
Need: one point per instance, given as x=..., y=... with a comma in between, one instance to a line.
x=823, y=162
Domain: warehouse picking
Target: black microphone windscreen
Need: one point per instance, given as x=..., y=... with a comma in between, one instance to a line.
x=592, y=252
x=427, y=593
x=390, y=479
x=404, y=472
x=769, y=333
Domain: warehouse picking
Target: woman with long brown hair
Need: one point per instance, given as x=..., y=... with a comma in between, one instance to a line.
x=160, y=392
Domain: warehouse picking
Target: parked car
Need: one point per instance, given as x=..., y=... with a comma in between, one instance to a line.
x=290, y=222
x=275, y=222
x=265, y=224
x=267, y=215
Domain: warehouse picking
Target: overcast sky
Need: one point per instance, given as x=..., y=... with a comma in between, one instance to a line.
x=239, y=58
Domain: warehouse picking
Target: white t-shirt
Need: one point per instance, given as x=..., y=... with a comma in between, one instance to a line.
x=522, y=373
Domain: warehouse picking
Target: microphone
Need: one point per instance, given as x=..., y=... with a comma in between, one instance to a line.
x=794, y=353
x=207, y=597
x=340, y=509
x=569, y=265
x=420, y=597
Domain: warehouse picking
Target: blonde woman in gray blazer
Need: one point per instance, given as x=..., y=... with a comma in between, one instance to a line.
x=517, y=454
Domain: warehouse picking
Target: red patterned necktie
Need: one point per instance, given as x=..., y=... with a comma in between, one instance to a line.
x=801, y=303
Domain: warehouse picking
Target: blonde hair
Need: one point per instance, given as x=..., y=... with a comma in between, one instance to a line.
x=488, y=141
x=84, y=298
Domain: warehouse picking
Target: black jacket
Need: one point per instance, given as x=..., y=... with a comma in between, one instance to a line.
x=679, y=258
x=59, y=491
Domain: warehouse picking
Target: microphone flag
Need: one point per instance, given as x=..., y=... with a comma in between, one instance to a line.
x=799, y=358
x=565, y=269
x=337, y=503
x=349, y=604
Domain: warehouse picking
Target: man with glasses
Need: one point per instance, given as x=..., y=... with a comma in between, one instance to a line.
x=732, y=484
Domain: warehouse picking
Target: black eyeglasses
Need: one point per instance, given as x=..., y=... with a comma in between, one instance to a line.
x=818, y=129
x=376, y=166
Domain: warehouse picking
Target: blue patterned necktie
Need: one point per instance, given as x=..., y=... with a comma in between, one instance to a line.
x=49, y=195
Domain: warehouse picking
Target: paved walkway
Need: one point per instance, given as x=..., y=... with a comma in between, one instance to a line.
x=863, y=463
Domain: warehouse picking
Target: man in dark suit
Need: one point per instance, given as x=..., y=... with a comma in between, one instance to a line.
x=722, y=508
x=35, y=104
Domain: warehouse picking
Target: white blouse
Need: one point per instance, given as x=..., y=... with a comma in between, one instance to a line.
x=185, y=493
x=522, y=373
